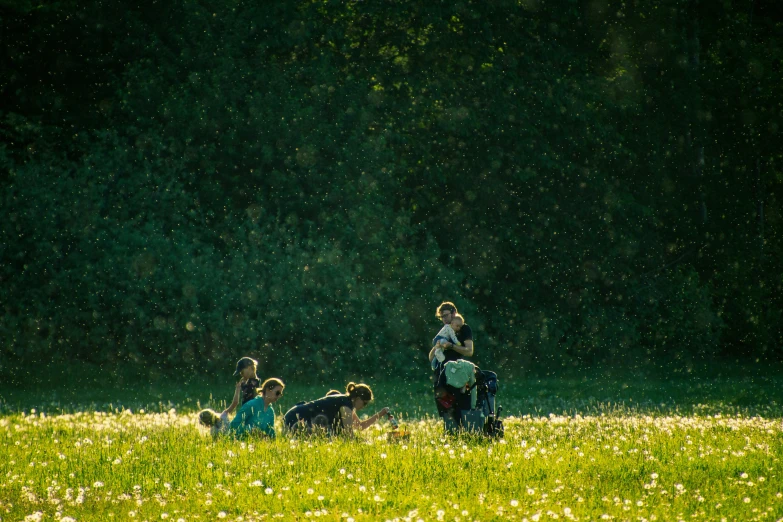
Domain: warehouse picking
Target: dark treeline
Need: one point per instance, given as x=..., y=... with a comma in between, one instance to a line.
x=593, y=182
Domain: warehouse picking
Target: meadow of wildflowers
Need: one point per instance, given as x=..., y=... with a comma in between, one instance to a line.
x=603, y=462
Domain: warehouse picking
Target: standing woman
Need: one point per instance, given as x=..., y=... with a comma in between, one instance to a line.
x=334, y=413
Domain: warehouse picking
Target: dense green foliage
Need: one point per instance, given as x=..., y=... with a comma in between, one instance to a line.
x=590, y=181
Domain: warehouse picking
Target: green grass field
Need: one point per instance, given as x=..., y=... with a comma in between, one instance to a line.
x=573, y=450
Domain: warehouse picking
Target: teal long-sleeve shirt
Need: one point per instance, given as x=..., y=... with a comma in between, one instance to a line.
x=253, y=416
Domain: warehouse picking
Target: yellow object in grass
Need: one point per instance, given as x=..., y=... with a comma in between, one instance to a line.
x=398, y=435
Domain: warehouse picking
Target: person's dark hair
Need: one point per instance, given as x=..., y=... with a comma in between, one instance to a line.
x=361, y=391
x=271, y=384
x=208, y=418
x=243, y=363
x=446, y=306
x=333, y=392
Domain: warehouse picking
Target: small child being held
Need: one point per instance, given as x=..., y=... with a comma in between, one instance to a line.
x=456, y=325
x=447, y=334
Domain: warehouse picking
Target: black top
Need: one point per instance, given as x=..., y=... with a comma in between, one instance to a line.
x=249, y=390
x=464, y=334
x=329, y=406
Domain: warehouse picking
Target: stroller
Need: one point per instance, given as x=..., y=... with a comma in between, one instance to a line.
x=457, y=407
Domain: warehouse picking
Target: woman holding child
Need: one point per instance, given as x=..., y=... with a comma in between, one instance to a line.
x=455, y=339
x=453, y=342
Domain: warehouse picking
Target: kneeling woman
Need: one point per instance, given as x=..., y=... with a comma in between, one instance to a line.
x=334, y=413
x=255, y=415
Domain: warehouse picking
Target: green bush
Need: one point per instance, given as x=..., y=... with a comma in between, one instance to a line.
x=305, y=182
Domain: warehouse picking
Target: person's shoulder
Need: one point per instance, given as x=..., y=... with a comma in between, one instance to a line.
x=254, y=403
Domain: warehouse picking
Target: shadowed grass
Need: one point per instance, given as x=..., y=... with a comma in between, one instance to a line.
x=413, y=398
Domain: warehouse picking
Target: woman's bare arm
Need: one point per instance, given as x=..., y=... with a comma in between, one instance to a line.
x=364, y=424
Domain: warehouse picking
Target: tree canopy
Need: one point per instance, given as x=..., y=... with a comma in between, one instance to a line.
x=590, y=181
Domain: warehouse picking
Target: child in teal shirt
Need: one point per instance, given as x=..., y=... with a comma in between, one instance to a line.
x=257, y=415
